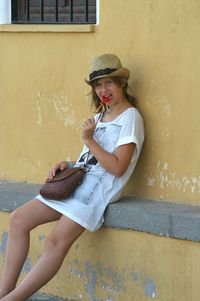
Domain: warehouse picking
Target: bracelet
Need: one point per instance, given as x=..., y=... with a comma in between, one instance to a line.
x=70, y=164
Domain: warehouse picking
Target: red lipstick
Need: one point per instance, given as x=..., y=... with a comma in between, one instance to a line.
x=106, y=99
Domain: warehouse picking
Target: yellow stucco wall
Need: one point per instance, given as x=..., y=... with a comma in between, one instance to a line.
x=114, y=265
x=43, y=99
x=43, y=96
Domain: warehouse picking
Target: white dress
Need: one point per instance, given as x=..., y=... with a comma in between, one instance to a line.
x=87, y=204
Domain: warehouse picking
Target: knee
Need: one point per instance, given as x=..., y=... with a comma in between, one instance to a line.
x=16, y=220
x=56, y=244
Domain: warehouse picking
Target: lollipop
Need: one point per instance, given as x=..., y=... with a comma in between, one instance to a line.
x=104, y=103
x=106, y=99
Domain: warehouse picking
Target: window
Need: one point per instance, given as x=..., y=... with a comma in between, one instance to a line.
x=53, y=11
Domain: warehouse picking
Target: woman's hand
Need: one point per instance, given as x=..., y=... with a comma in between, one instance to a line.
x=88, y=128
x=61, y=165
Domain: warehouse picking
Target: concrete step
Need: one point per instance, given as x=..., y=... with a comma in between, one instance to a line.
x=45, y=297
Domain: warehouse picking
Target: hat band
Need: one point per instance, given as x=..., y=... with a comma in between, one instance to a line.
x=101, y=72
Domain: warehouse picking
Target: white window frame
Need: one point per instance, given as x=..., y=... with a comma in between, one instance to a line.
x=5, y=11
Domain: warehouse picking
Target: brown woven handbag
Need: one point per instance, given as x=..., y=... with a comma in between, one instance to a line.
x=65, y=181
x=63, y=184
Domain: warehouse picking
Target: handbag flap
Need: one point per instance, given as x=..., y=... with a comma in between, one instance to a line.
x=63, y=174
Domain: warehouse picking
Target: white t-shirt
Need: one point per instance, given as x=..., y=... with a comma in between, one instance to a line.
x=87, y=204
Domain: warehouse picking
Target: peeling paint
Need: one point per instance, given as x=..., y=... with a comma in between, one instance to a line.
x=115, y=283
x=169, y=179
x=112, y=282
x=136, y=277
x=150, y=288
x=91, y=282
x=166, y=106
x=184, y=183
x=59, y=103
x=63, y=109
x=151, y=181
x=27, y=265
x=118, y=280
x=42, y=237
x=4, y=239
x=165, y=166
x=77, y=245
x=153, y=99
x=74, y=269
x=105, y=285
x=38, y=109
x=109, y=298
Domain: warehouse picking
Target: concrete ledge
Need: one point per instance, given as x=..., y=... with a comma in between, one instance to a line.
x=161, y=218
x=14, y=194
x=44, y=297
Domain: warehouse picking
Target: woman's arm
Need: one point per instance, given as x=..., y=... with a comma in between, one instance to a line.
x=116, y=163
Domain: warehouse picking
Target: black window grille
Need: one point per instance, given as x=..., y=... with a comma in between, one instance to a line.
x=54, y=11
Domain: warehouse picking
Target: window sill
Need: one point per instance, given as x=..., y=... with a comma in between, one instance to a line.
x=47, y=28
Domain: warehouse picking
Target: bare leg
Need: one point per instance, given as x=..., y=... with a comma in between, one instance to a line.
x=22, y=221
x=57, y=245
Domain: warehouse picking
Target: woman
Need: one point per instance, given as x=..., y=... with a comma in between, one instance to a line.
x=112, y=144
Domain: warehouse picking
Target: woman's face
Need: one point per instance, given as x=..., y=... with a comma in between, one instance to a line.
x=107, y=87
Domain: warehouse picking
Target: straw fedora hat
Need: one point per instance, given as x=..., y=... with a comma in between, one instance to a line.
x=106, y=65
